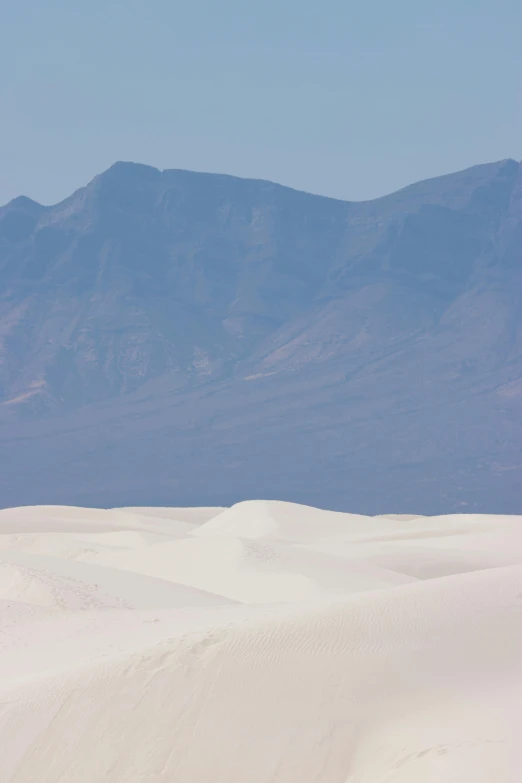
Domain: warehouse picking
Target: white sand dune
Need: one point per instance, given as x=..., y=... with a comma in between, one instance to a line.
x=269, y=642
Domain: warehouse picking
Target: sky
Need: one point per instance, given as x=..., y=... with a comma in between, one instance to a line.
x=347, y=98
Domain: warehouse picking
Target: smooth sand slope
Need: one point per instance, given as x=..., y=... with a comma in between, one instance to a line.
x=265, y=642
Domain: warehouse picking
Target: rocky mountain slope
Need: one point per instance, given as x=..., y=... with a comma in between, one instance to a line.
x=173, y=337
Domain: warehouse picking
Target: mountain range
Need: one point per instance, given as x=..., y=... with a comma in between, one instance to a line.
x=172, y=337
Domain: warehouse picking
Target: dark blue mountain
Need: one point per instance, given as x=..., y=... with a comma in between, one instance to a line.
x=181, y=338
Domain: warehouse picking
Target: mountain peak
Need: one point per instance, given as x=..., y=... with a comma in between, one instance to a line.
x=24, y=204
x=127, y=172
x=126, y=168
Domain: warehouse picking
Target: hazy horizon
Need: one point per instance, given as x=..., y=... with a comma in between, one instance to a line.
x=321, y=100
x=259, y=179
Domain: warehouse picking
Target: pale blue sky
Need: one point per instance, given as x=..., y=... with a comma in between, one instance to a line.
x=349, y=98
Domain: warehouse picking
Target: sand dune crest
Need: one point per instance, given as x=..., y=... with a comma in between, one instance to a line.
x=267, y=643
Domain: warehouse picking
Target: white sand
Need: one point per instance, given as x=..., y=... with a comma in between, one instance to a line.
x=266, y=642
